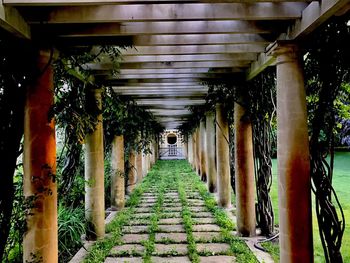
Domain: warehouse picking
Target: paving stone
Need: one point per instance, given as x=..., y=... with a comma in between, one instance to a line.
x=213, y=248
x=142, y=205
x=206, y=228
x=171, y=215
x=195, y=202
x=170, y=249
x=171, y=228
x=170, y=204
x=203, y=214
x=173, y=237
x=172, y=209
x=170, y=221
x=134, y=238
x=148, y=199
x=140, y=221
x=170, y=260
x=198, y=209
x=130, y=249
x=206, y=236
x=143, y=210
x=204, y=220
x=142, y=215
x=135, y=229
x=217, y=259
x=124, y=260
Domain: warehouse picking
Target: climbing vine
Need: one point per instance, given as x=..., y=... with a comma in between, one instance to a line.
x=327, y=64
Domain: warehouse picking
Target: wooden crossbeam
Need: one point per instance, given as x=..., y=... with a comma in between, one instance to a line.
x=168, y=12
x=175, y=71
x=12, y=21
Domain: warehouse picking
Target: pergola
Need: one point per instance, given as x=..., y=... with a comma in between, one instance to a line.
x=176, y=44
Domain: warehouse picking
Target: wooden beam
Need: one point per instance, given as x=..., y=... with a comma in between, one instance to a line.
x=69, y=31
x=196, y=49
x=169, y=12
x=12, y=21
x=175, y=71
x=182, y=86
x=313, y=16
x=163, y=76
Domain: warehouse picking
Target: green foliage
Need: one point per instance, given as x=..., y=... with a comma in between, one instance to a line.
x=71, y=228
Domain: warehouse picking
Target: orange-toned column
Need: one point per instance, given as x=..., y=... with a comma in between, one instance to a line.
x=132, y=174
x=139, y=167
x=294, y=185
x=40, y=240
x=210, y=152
x=223, y=158
x=118, y=173
x=94, y=174
x=244, y=172
x=202, y=139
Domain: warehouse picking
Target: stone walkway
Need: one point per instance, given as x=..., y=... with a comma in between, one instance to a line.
x=170, y=241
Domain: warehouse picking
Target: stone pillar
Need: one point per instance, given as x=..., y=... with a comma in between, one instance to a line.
x=144, y=164
x=223, y=158
x=185, y=148
x=190, y=148
x=132, y=174
x=118, y=173
x=40, y=167
x=139, y=167
x=194, y=147
x=244, y=172
x=198, y=152
x=94, y=175
x=294, y=186
x=202, y=135
x=210, y=152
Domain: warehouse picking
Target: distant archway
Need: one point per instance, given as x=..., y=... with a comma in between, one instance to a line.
x=171, y=138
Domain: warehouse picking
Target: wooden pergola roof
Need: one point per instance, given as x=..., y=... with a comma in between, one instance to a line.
x=176, y=42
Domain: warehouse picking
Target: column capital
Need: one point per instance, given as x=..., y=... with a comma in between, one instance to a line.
x=283, y=49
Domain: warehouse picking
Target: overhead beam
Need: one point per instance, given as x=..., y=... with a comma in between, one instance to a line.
x=168, y=12
x=175, y=71
x=12, y=21
x=160, y=87
x=164, y=76
x=195, y=49
x=149, y=28
x=312, y=17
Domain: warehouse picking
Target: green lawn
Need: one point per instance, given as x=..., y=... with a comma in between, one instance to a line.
x=341, y=183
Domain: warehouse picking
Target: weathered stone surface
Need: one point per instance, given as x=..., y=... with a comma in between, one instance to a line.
x=170, y=221
x=171, y=215
x=130, y=249
x=143, y=210
x=140, y=221
x=142, y=215
x=203, y=214
x=204, y=220
x=135, y=229
x=213, y=248
x=206, y=236
x=171, y=237
x=172, y=209
x=198, y=209
x=170, y=260
x=217, y=259
x=146, y=204
x=170, y=249
x=134, y=238
x=171, y=228
x=206, y=228
x=124, y=260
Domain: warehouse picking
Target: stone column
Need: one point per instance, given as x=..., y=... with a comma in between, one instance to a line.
x=118, y=173
x=223, y=158
x=185, y=149
x=40, y=167
x=144, y=164
x=244, y=172
x=190, y=148
x=139, y=167
x=198, y=152
x=210, y=152
x=132, y=175
x=194, y=147
x=94, y=175
x=202, y=135
x=294, y=186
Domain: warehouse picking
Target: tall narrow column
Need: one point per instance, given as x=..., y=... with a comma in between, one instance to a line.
x=294, y=186
x=144, y=164
x=132, y=175
x=139, y=167
x=202, y=135
x=198, y=152
x=94, y=175
x=244, y=172
x=210, y=152
x=40, y=238
x=118, y=173
x=190, y=148
x=185, y=148
x=223, y=158
x=194, y=148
